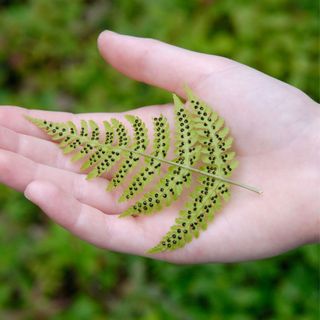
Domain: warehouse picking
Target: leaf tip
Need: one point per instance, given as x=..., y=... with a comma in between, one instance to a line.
x=176, y=99
x=31, y=119
x=154, y=250
x=126, y=213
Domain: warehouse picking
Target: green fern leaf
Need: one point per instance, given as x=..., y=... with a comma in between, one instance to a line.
x=202, y=145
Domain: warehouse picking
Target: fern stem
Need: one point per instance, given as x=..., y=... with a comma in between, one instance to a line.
x=245, y=186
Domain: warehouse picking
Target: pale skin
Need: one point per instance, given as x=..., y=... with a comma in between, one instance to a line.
x=277, y=140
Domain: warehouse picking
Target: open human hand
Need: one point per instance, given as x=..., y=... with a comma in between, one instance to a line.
x=277, y=140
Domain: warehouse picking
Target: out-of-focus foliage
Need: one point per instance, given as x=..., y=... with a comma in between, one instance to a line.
x=48, y=59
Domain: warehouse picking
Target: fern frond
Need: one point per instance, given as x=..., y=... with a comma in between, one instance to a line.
x=203, y=145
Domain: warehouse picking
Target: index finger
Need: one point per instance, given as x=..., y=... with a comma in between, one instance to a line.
x=13, y=117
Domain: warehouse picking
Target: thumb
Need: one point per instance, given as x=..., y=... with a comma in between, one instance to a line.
x=157, y=63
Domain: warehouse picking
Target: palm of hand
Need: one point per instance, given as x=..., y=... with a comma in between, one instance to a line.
x=268, y=119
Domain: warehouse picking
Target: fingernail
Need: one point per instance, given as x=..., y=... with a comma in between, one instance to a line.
x=27, y=196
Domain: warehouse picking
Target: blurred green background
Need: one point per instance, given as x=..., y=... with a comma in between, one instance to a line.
x=49, y=60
